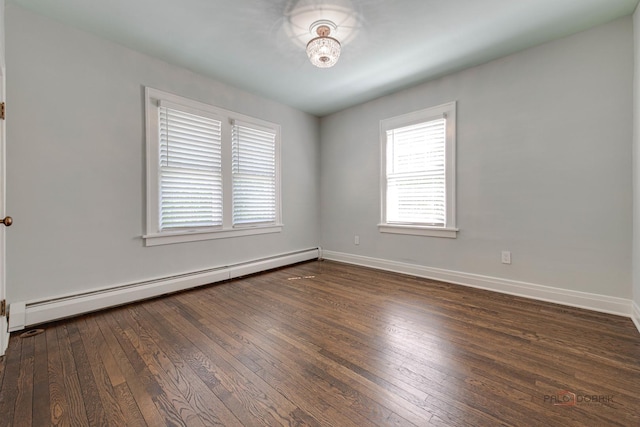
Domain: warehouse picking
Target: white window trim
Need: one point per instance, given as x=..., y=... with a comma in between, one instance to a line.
x=449, y=230
x=167, y=238
x=153, y=235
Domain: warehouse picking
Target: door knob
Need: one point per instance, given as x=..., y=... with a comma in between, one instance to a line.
x=7, y=221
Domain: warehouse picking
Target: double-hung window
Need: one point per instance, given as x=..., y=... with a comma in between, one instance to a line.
x=418, y=172
x=211, y=173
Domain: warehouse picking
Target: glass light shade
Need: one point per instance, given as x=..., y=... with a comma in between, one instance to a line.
x=323, y=51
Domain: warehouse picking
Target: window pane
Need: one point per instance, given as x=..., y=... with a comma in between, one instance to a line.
x=190, y=170
x=416, y=187
x=254, y=175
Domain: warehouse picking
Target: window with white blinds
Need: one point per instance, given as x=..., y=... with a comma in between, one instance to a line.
x=190, y=170
x=211, y=173
x=416, y=174
x=419, y=172
x=254, y=174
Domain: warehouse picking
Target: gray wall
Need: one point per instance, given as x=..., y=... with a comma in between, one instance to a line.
x=544, y=167
x=76, y=165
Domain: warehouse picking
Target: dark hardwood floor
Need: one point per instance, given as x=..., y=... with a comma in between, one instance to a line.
x=328, y=344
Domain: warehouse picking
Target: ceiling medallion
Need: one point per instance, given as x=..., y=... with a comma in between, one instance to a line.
x=322, y=27
x=323, y=51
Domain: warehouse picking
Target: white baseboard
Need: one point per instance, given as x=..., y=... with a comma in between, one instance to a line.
x=35, y=312
x=635, y=314
x=4, y=337
x=595, y=302
x=17, y=316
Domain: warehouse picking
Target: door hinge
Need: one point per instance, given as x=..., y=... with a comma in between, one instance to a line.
x=2, y=108
x=3, y=308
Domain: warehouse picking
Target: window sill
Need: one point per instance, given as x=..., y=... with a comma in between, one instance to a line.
x=417, y=230
x=198, y=235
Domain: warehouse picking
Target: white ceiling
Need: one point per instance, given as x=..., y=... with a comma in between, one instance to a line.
x=399, y=43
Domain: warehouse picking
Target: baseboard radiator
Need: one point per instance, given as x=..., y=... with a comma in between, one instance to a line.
x=25, y=314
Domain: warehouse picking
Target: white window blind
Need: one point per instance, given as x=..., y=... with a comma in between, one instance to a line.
x=254, y=174
x=190, y=170
x=415, y=174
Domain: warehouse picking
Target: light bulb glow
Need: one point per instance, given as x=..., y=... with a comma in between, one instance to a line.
x=323, y=51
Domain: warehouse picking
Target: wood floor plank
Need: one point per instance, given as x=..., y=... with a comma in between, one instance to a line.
x=3, y=362
x=128, y=406
x=115, y=392
x=144, y=390
x=91, y=397
x=72, y=387
x=24, y=399
x=59, y=409
x=41, y=400
x=95, y=339
x=95, y=378
x=327, y=344
x=10, y=383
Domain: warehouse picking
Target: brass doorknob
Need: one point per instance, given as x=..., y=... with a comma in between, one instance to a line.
x=7, y=221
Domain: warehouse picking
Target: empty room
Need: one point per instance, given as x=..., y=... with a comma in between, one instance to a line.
x=320, y=212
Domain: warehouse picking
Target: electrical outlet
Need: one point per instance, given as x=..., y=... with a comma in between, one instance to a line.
x=356, y=240
x=506, y=257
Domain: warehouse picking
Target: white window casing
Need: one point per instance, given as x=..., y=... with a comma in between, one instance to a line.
x=418, y=172
x=211, y=173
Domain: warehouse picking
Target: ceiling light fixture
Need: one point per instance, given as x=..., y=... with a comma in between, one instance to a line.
x=323, y=51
